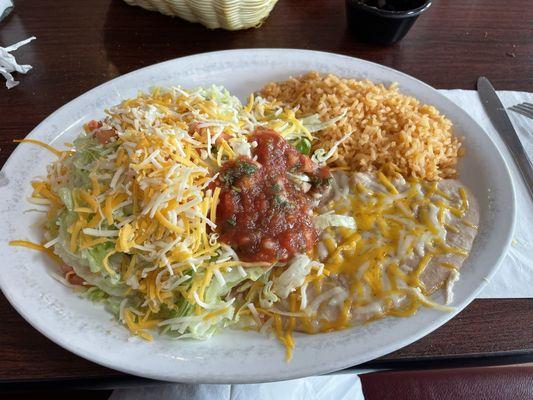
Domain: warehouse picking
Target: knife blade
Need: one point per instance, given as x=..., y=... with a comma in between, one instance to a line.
x=499, y=118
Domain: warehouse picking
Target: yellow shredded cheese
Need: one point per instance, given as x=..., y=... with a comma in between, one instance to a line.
x=42, y=144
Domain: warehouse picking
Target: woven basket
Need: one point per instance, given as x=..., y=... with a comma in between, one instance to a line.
x=227, y=14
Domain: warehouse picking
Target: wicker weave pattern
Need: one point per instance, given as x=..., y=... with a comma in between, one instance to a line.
x=227, y=14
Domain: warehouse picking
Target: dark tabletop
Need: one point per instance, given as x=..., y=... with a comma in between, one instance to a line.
x=81, y=44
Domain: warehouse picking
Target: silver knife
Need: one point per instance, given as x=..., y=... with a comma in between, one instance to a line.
x=499, y=118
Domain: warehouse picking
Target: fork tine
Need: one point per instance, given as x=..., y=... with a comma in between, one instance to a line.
x=524, y=105
x=528, y=106
x=520, y=112
x=525, y=113
x=524, y=108
x=517, y=108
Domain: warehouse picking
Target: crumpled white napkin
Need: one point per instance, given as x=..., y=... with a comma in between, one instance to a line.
x=8, y=63
x=338, y=387
x=515, y=275
x=5, y=8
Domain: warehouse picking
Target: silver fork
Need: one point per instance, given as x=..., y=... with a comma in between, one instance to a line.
x=526, y=109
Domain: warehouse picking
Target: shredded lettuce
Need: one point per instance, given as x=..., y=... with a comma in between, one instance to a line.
x=65, y=195
x=294, y=276
x=313, y=123
x=96, y=254
x=324, y=221
x=241, y=148
x=267, y=297
x=320, y=156
x=95, y=294
x=88, y=151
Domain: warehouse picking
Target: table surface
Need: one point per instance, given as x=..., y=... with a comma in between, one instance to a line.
x=83, y=44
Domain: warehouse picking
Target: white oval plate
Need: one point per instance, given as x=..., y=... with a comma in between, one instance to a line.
x=89, y=331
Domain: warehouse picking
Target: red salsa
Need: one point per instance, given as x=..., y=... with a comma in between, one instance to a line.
x=265, y=211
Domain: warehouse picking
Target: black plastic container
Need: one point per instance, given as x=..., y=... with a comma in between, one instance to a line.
x=386, y=24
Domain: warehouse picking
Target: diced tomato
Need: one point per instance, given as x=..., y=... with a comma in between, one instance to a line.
x=70, y=275
x=93, y=125
x=104, y=136
x=223, y=136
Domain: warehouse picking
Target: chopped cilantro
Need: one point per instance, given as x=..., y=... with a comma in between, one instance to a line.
x=214, y=258
x=232, y=221
x=280, y=201
x=240, y=169
x=226, y=177
x=318, y=182
x=246, y=168
x=303, y=146
x=295, y=169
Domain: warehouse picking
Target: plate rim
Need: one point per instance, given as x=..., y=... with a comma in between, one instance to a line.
x=436, y=323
